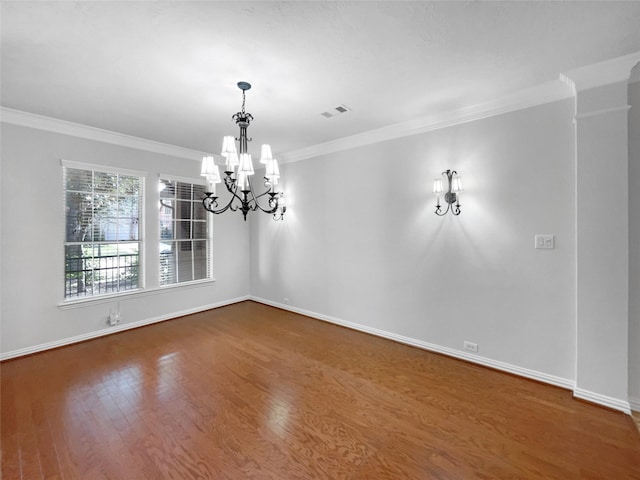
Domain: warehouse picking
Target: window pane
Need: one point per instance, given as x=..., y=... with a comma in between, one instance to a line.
x=199, y=213
x=105, y=182
x=106, y=229
x=166, y=229
x=169, y=190
x=128, y=266
x=183, y=191
x=183, y=230
x=198, y=193
x=78, y=180
x=183, y=210
x=128, y=206
x=128, y=185
x=185, y=263
x=130, y=228
x=167, y=263
x=167, y=207
x=78, y=216
x=75, y=273
x=200, y=269
x=199, y=230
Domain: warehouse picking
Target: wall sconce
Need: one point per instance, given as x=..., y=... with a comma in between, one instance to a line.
x=282, y=207
x=451, y=196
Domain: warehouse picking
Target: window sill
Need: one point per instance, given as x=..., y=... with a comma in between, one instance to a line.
x=109, y=298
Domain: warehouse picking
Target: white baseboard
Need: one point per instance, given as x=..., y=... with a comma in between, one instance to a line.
x=603, y=400
x=487, y=362
x=634, y=403
x=115, y=329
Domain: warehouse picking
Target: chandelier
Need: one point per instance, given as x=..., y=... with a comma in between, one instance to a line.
x=238, y=172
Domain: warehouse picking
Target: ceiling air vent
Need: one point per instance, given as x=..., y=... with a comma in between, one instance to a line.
x=335, y=111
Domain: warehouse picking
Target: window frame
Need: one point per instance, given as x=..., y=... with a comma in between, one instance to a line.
x=141, y=240
x=208, y=233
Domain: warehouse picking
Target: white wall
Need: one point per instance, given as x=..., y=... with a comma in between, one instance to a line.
x=32, y=243
x=361, y=243
x=634, y=245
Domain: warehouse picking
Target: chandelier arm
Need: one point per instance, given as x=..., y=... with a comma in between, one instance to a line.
x=273, y=210
x=230, y=183
x=262, y=194
x=256, y=204
x=445, y=212
x=234, y=196
x=209, y=202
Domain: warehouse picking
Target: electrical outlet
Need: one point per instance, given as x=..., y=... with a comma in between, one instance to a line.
x=472, y=347
x=114, y=318
x=286, y=300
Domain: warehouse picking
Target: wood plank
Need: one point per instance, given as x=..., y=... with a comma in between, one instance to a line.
x=251, y=391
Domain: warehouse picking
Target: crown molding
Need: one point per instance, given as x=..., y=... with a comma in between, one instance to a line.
x=602, y=73
x=546, y=93
x=50, y=124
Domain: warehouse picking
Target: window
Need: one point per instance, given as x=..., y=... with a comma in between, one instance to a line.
x=102, y=239
x=185, y=233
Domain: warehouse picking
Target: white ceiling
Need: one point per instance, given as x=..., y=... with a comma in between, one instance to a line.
x=167, y=71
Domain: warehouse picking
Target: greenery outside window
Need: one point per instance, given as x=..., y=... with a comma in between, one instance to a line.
x=103, y=211
x=185, y=233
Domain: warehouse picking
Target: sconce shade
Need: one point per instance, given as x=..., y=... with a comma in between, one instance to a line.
x=210, y=169
x=272, y=172
x=246, y=165
x=456, y=184
x=266, y=156
x=272, y=169
x=437, y=186
x=232, y=162
x=211, y=172
x=243, y=181
x=228, y=146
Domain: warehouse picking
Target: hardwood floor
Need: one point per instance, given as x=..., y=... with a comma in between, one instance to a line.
x=250, y=391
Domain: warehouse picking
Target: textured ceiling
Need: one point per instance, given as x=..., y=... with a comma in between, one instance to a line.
x=167, y=71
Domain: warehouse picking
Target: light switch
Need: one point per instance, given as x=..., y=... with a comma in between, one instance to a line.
x=544, y=241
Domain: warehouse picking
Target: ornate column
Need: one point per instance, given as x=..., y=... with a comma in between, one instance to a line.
x=602, y=230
